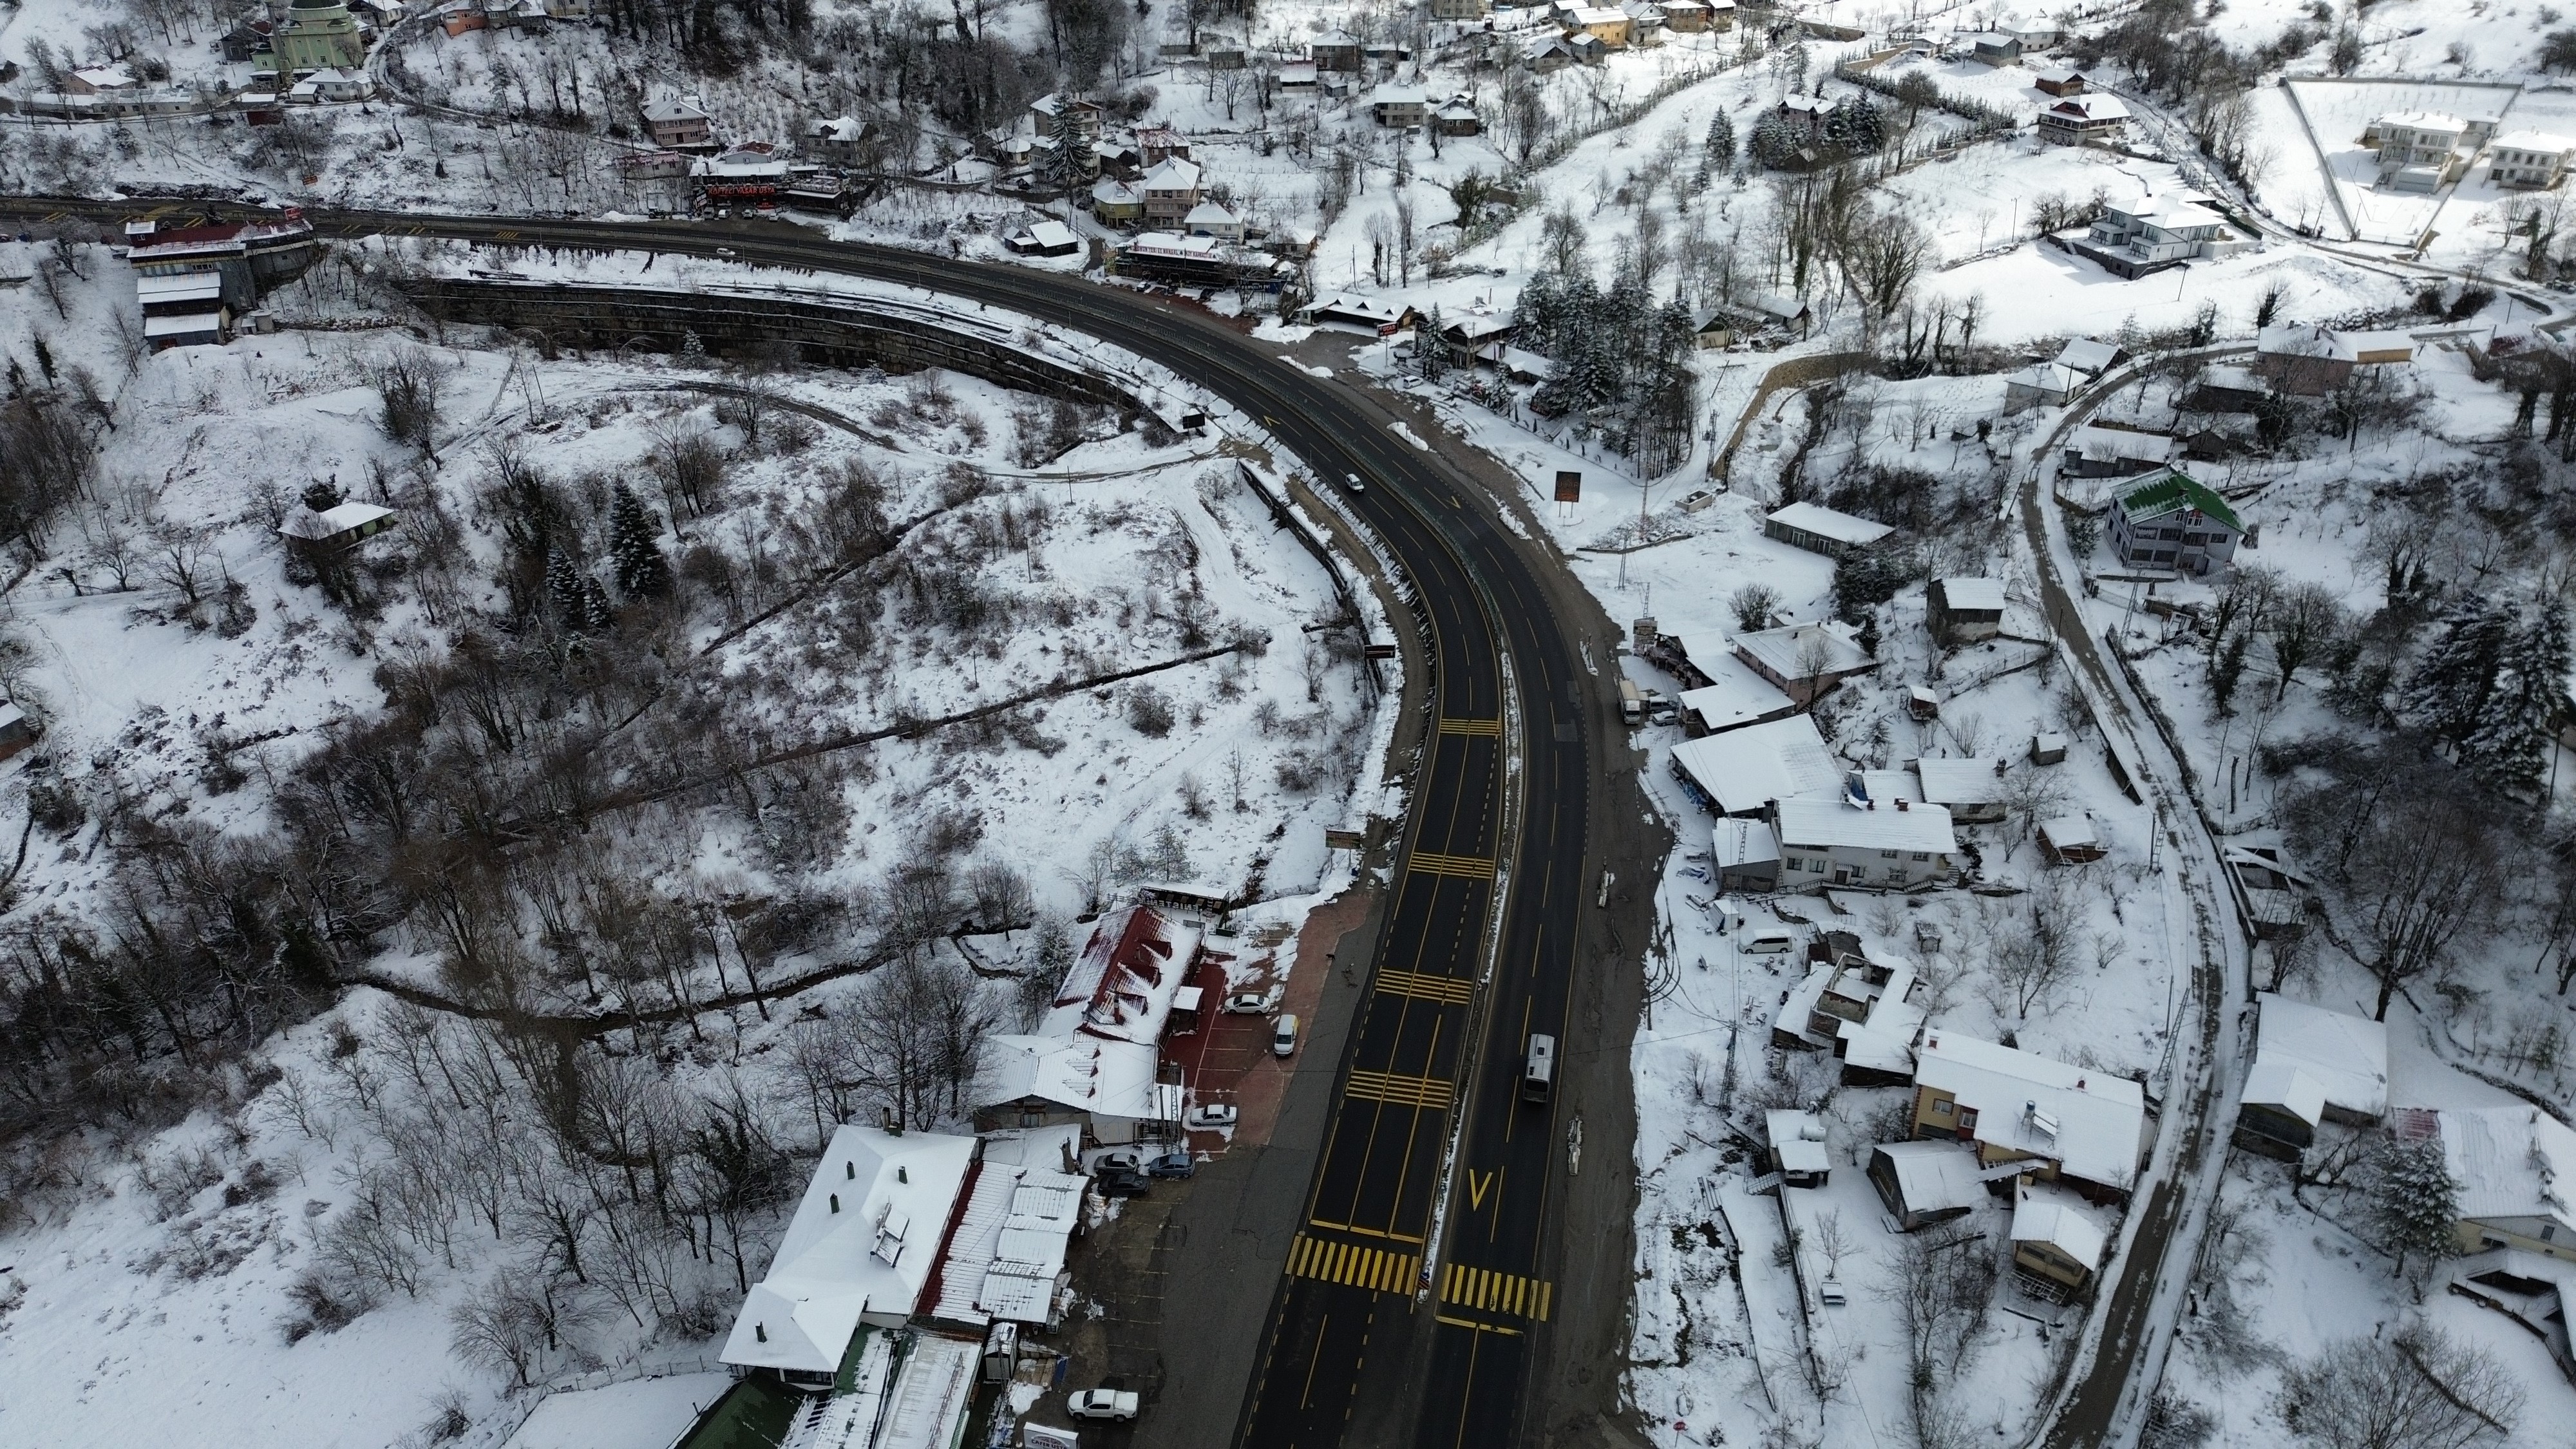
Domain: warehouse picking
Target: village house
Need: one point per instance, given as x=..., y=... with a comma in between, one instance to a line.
x=2091, y=358
x=1209, y=219
x=2311, y=360
x=1457, y=116
x=190, y=283
x=2071, y=840
x=1740, y=772
x=2042, y=384
x=1896, y=845
x=1095, y=1057
x=1080, y=118
x=2133, y=238
x=1297, y=75
x=1610, y=27
x=2057, y=1242
x=2528, y=160
x=1473, y=338
x=1819, y=529
x=676, y=125
x=1688, y=17
x=838, y=141
x=1963, y=611
x=1335, y=50
x=2097, y=451
x=1730, y=695
x=327, y=533
x=2229, y=389
x=2084, y=120
x=1460, y=10
x=1746, y=855
x=2172, y=521
x=2059, y=80
x=1803, y=660
x=1402, y=106
x=2512, y=1165
x=17, y=732
x=1157, y=144
x=316, y=34
x=1994, y=49
x=1926, y=1182
x=1971, y=790
x=100, y=80
x=2078, y=1125
x=1045, y=238
x=1171, y=191
x=1378, y=319
x=2419, y=150
x=1797, y=1151
x=1856, y=1006
x=2272, y=898
x=2311, y=1066
x=1116, y=203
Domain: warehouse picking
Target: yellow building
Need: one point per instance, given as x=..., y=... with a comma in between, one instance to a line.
x=2512, y=1167
x=317, y=35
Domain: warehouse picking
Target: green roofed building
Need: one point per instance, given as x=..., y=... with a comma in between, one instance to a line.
x=2169, y=520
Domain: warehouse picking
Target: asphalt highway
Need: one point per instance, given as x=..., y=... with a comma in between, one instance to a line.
x=1416, y=1303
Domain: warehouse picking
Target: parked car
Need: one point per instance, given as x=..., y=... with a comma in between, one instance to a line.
x=1210, y=1117
x=1172, y=1164
x=1119, y=1160
x=1248, y=1003
x=1123, y=1184
x=1283, y=1036
x=1119, y=1404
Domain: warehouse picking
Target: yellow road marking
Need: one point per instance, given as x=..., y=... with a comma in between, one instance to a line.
x=1479, y=1327
x=1465, y=867
x=1353, y=1265
x=1488, y=1291
x=1450, y=989
x=1428, y=1093
x=1450, y=726
x=1412, y=1238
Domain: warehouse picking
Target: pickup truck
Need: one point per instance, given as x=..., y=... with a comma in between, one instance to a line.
x=1119, y=1404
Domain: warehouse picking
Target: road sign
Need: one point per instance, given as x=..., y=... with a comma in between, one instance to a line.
x=1344, y=839
x=1380, y=651
x=1569, y=485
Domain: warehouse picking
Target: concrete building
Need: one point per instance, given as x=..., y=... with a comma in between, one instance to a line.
x=2133, y=238
x=2169, y=520
x=317, y=34
x=1895, y=846
x=2528, y=160
x=676, y=125
x=2084, y=120
x=2311, y=1066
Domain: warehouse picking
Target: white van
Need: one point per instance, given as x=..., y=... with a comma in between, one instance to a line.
x=1769, y=941
x=1283, y=1037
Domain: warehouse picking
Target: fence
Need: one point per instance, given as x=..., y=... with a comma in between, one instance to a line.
x=515, y=1412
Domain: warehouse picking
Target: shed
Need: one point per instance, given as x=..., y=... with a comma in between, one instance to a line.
x=2057, y=1242
x=334, y=530
x=1045, y=239
x=2048, y=749
x=1971, y=790
x=2042, y=384
x=1925, y=1182
x=2059, y=80
x=1746, y=854
x=2070, y=840
x=1819, y=529
x=1798, y=1147
x=2311, y=1065
x=2091, y=358
x=17, y=732
x=1963, y=611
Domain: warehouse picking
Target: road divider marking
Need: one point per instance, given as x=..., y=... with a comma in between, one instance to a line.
x=1479, y=1327
x=1465, y=867
x=1412, y=1238
x=1488, y=1291
x=1429, y=1093
x=1353, y=1265
x=1449, y=726
x=1452, y=990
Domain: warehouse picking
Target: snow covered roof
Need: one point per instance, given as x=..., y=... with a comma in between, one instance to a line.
x=1743, y=768
x=1208, y=213
x=346, y=516
x=1344, y=304
x=2047, y=377
x=188, y=325
x=861, y=1243
x=742, y=164
x=2060, y=1220
x=1088, y=1074
x=2422, y=121
x=1932, y=1177
x=2234, y=378
x=2510, y=1162
x=2088, y=356
x=1057, y=1148
x=1960, y=782
x=838, y=129
x=2303, y=339
x=2067, y=831
x=673, y=111
x=1783, y=650
x=1121, y=986
x=2288, y=1086
x=1596, y=15
x=1393, y=95
x=2057, y=75
x=2094, y=107
x=2100, y=444
x=928, y=1404
x=1822, y=824
x=2548, y=143
x=1335, y=38
x=1052, y=234
x=1115, y=193
x=1735, y=695
x=1740, y=842
x=2347, y=1056
x=1781, y=305
x=1297, y=72
x=2171, y=211
x=1824, y=522
x=1172, y=173
x=2086, y=1120
x=179, y=287
x=1797, y=1140
x=1968, y=593
x=2172, y=491
x=107, y=77
x=1003, y=1257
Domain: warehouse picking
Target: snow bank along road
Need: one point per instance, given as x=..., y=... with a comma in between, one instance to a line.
x=1394, y=1320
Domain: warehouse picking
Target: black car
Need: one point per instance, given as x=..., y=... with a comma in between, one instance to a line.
x=1123, y=1184
x=1171, y=1164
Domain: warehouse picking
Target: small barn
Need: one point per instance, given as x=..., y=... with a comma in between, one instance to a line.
x=1798, y=1148
x=2070, y=840
x=1963, y=611
x=1924, y=1183
x=1819, y=529
x=2057, y=1242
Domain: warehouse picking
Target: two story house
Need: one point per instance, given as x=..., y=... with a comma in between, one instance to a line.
x=2171, y=521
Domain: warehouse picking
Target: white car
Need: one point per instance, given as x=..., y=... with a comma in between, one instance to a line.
x=1248, y=1003
x=1353, y=483
x=1210, y=1118
x=1117, y=1161
x=1119, y=1404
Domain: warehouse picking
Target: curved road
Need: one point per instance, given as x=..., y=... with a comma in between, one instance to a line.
x=1419, y=1296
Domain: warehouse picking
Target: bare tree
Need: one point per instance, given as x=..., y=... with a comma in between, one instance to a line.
x=2036, y=943
x=2302, y=620
x=2417, y=1389
x=1754, y=605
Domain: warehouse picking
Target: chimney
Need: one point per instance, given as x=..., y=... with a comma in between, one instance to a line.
x=892, y=1124
x=1903, y=804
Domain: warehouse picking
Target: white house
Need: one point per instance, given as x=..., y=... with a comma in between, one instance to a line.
x=2419, y=150
x=2533, y=160
x=2515, y=1167
x=1209, y=219
x=1804, y=660
x=1971, y=790
x=858, y=1252
x=2079, y=1124
x=1895, y=846
x=1171, y=190
x=1403, y=106
x=2042, y=384
x=2083, y=120
x=842, y=140
x=2133, y=236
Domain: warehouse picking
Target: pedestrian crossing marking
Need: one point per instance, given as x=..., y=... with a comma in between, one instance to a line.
x=1353, y=1265
x=1430, y=1093
x=1465, y=867
x=1450, y=726
x=1452, y=990
x=1488, y=1291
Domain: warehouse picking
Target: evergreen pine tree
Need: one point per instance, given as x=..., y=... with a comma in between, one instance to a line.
x=2447, y=693
x=2413, y=1200
x=2227, y=669
x=563, y=590
x=595, y=613
x=635, y=547
x=2510, y=743
x=1427, y=347
x=1868, y=635
x=1721, y=140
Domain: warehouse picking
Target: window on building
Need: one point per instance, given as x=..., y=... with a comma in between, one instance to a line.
x=1887, y=855
x=1940, y=1109
x=1922, y=855
x=1794, y=863
x=1817, y=865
